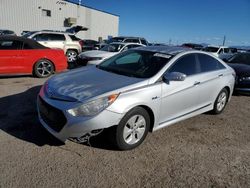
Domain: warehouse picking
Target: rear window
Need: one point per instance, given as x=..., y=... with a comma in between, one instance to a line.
x=74, y=38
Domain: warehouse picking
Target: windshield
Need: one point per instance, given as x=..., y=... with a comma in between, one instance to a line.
x=211, y=49
x=136, y=63
x=112, y=48
x=240, y=59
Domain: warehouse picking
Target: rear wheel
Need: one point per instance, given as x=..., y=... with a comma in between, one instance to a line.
x=71, y=55
x=132, y=129
x=220, y=102
x=43, y=68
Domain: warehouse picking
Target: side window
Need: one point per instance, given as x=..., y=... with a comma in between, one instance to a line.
x=41, y=37
x=144, y=42
x=132, y=40
x=11, y=45
x=226, y=50
x=56, y=37
x=208, y=63
x=186, y=65
x=26, y=46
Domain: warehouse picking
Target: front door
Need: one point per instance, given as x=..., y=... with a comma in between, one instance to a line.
x=179, y=98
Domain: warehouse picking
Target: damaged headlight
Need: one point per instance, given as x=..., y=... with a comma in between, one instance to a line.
x=93, y=107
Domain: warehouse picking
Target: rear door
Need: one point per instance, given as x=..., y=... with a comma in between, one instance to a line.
x=57, y=41
x=212, y=74
x=10, y=59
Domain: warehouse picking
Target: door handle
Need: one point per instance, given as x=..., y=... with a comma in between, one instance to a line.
x=196, y=83
x=220, y=75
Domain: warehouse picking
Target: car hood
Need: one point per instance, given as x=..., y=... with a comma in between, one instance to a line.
x=89, y=82
x=97, y=53
x=240, y=69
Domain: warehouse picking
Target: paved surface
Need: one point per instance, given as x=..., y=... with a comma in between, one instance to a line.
x=204, y=151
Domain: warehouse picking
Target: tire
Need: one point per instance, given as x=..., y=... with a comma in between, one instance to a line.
x=220, y=102
x=71, y=55
x=43, y=68
x=130, y=133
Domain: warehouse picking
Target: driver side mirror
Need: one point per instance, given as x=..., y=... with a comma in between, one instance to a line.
x=174, y=76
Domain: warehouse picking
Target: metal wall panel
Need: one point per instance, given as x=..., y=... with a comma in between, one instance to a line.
x=20, y=15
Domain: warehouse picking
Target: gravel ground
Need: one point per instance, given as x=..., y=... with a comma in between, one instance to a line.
x=204, y=151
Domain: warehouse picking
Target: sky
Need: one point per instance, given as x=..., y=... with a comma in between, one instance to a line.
x=180, y=21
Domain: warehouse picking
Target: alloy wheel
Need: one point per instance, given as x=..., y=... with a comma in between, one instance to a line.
x=134, y=129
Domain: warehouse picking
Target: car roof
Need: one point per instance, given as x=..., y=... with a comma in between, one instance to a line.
x=130, y=37
x=217, y=46
x=171, y=50
x=31, y=42
x=51, y=32
x=125, y=43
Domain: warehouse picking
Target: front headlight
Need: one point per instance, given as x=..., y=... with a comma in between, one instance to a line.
x=93, y=107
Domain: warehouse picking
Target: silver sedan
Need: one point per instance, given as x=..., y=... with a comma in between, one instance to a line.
x=132, y=93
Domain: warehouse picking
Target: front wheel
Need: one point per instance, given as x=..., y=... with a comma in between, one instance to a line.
x=43, y=68
x=220, y=102
x=132, y=129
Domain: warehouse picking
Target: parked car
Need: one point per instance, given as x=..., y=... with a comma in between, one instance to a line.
x=88, y=45
x=193, y=46
x=134, y=92
x=7, y=32
x=222, y=52
x=69, y=43
x=241, y=64
x=25, y=56
x=157, y=44
x=138, y=40
x=97, y=56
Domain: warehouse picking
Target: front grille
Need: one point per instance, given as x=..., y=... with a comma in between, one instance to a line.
x=53, y=117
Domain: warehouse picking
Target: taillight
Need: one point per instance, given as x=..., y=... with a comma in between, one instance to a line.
x=81, y=42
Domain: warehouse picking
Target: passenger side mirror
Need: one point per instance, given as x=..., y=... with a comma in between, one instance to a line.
x=174, y=76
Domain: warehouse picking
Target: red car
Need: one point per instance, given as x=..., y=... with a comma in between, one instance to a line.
x=24, y=56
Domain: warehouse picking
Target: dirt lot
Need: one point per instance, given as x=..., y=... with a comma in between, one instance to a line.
x=205, y=151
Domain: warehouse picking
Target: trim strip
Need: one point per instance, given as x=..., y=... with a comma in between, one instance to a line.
x=185, y=114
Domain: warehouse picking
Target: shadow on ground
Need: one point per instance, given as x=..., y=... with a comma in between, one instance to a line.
x=18, y=117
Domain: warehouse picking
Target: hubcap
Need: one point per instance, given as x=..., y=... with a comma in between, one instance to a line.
x=221, y=101
x=134, y=129
x=71, y=56
x=44, y=68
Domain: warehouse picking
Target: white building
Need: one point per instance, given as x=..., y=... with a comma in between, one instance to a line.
x=33, y=15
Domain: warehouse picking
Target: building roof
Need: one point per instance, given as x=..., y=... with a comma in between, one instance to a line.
x=76, y=2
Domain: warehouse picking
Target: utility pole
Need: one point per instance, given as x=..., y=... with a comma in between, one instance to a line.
x=224, y=40
x=169, y=42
